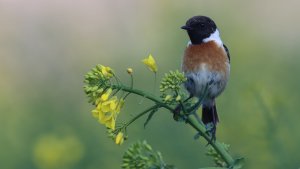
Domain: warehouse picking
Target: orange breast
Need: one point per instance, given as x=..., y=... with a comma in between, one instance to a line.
x=210, y=54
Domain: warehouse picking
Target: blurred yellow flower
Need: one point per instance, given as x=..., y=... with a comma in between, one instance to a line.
x=119, y=138
x=106, y=71
x=53, y=151
x=129, y=71
x=150, y=62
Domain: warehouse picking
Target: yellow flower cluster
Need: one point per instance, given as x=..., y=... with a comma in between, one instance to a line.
x=107, y=109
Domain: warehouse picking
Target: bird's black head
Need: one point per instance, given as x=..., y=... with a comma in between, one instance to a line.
x=199, y=28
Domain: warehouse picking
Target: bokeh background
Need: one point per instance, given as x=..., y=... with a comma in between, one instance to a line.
x=46, y=47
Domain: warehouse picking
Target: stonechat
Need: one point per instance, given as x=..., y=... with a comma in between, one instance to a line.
x=206, y=64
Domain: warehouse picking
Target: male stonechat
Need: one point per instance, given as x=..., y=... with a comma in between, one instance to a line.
x=206, y=64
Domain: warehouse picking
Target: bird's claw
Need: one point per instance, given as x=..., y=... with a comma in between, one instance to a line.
x=176, y=113
x=177, y=116
x=211, y=131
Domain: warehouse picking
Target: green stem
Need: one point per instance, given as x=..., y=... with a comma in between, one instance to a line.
x=215, y=144
x=155, y=79
x=190, y=120
x=131, y=86
x=141, y=114
x=143, y=94
x=131, y=81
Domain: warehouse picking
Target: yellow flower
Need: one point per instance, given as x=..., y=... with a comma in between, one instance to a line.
x=111, y=123
x=108, y=119
x=107, y=110
x=106, y=95
x=129, y=71
x=150, y=62
x=109, y=105
x=119, y=105
x=106, y=71
x=119, y=138
x=95, y=113
x=178, y=98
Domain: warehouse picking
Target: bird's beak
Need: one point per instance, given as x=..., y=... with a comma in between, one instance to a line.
x=186, y=27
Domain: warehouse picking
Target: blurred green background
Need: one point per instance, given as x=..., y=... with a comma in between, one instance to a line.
x=46, y=47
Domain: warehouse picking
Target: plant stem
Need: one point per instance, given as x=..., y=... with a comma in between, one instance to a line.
x=215, y=144
x=141, y=114
x=143, y=94
x=190, y=120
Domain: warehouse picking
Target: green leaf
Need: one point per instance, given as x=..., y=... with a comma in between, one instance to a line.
x=238, y=163
x=149, y=117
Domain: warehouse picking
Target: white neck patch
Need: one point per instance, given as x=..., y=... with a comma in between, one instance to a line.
x=189, y=43
x=214, y=37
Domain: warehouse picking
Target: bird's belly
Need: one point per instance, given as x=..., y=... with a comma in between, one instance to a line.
x=204, y=81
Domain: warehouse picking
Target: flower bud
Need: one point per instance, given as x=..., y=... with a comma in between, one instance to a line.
x=129, y=71
x=178, y=98
x=119, y=138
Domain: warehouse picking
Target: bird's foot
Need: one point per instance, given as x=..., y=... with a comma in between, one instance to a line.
x=176, y=113
x=177, y=116
x=211, y=129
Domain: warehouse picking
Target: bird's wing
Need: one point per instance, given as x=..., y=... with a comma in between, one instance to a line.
x=227, y=51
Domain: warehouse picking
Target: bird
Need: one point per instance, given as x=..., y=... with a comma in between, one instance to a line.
x=206, y=65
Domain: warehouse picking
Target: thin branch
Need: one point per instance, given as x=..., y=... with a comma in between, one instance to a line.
x=190, y=120
x=143, y=94
x=141, y=114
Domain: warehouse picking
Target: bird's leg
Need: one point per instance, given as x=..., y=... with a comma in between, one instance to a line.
x=191, y=96
x=200, y=99
x=176, y=112
x=191, y=110
x=195, y=106
x=211, y=129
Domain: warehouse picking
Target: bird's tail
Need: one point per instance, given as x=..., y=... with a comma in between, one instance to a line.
x=209, y=114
